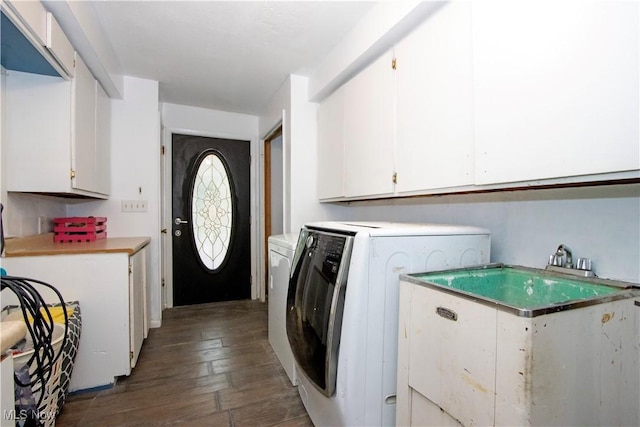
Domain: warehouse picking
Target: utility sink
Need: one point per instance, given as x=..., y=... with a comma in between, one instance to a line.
x=506, y=345
x=526, y=291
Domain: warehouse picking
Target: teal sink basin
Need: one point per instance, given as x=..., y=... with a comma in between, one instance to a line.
x=525, y=291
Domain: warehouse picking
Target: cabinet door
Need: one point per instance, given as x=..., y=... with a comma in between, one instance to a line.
x=369, y=135
x=7, y=400
x=59, y=46
x=453, y=362
x=83, y=152
x=103, y=142
x=435, y=102
x=33, y=18
x=331, y=146
x=38, y=133
x=556, y=89
x=137, y=298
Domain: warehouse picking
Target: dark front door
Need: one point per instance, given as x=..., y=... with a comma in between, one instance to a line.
x=210, y=206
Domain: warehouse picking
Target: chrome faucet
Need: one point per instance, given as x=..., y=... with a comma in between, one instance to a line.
x=562, y=261
x=564, y=251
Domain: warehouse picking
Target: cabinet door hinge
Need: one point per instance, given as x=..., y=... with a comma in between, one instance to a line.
x=394, y=178
x=393, y=63
x=162, y=150
x=131, y=355
x=130, y=269
x=73, y=174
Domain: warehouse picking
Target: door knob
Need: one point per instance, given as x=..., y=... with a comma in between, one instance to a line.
x=179, y=221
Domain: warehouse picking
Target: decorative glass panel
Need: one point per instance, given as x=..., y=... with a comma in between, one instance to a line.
x=211, y=209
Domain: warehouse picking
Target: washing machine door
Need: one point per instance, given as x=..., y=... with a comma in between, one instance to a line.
x=315, y=303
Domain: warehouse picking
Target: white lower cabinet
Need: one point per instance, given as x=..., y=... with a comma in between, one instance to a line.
x=491, y=367
x=111, y=290
x=7, y=399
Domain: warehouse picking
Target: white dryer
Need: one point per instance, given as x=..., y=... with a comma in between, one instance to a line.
x=281, y=249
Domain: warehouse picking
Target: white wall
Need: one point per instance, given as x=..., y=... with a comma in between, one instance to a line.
x=218, y=124
x=22, y=213
x=291, y=107
x=135, y=175
x=601, y=223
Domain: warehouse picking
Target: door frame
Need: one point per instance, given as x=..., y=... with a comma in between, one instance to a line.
x=166, y=242
x=266, y=200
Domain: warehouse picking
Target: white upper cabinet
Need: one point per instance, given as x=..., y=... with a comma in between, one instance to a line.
x=556, y=89
x=491, y=95
x=30, y=16
x=59, y=46
x=57, y=134
x=83, y=142
x=102, y=170
x=33, y=41
x=435, y=102
x=369, y=134
x=331, y=146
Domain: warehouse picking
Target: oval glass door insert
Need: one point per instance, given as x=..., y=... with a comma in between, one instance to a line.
x=212, y=211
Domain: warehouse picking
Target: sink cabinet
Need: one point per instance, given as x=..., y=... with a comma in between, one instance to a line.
x=492, y=367
x=58, y=134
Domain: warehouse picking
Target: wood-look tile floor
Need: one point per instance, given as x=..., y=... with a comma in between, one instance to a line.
x=208, y=365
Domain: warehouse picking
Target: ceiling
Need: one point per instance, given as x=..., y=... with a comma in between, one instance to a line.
x=225, y=55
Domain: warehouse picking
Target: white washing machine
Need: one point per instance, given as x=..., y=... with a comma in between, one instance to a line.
x=281, y=249
x=342, y=310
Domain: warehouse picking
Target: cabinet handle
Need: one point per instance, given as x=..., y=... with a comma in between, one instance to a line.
x=447, y=313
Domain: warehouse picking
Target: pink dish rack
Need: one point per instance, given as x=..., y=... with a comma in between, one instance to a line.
x=79, y=229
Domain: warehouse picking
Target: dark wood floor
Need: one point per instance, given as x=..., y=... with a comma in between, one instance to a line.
x=208, y=365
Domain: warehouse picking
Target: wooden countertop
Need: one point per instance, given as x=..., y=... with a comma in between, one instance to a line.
x=43, y=244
